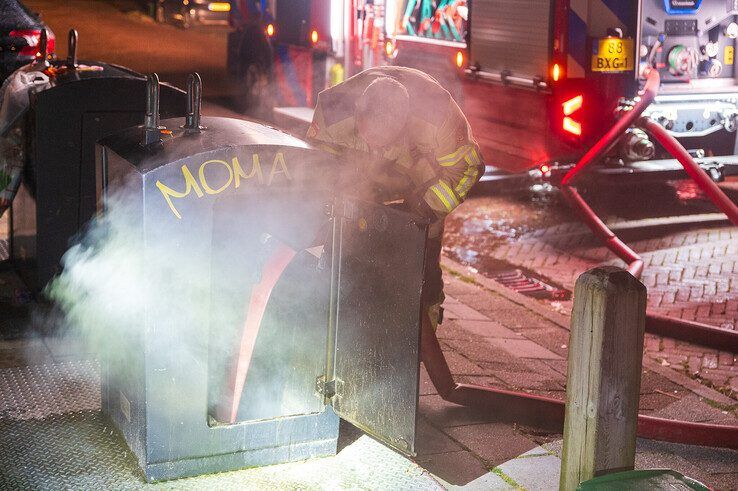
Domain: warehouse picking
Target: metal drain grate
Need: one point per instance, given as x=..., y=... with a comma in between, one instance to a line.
x=528, y=285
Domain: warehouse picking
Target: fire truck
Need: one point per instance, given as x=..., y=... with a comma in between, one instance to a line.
x=539, y=80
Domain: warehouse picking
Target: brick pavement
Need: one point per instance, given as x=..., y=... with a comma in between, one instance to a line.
x=489, y=337
x=691, y=272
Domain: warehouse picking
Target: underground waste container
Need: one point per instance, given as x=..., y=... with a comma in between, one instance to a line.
x=83, y=101
x=263, y=304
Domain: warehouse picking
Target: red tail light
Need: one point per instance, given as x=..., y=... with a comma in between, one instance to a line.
x=33, y=38
x=314, y=36
x=270, y=30
x=569, y=107
x=573, y=127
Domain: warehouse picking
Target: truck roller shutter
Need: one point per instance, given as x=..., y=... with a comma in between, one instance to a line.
x=511, y=36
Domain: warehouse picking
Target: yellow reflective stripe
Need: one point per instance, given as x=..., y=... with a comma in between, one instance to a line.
x=442, y=198
x=453, y=154
x=451, y=195
x=475, y=157
x=453, y=158
x=467, y=182
x=470, y=174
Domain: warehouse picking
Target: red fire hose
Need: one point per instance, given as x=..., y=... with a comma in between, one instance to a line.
x=548, y=413
x=693, y=332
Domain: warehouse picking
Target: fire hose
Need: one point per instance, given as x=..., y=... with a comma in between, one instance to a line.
x=694, y=332
x=548, y=413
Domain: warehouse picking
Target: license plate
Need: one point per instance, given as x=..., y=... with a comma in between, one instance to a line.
x=612, y=55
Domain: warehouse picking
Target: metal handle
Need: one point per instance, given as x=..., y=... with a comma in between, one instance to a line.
x=43, y=45
x=72, y=49
x=194, y=102
x=151, y=123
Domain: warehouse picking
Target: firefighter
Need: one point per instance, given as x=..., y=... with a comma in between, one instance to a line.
x=410, y=141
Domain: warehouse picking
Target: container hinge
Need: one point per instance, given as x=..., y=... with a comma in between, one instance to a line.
x=330, y=390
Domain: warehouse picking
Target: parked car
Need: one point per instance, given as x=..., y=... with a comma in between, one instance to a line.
x=192, y=12
x=20, y=34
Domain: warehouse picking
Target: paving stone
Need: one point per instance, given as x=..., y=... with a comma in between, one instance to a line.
x=461, y=470
x=515, y=364
x=651, y=455
x=479, y=350
x=709, y=361
x=451, y=329
x=487, y=328
x=429, y=440
x=444, y=414
x=426, y=387
x=651, y=382
x=486, y=482
x=524, y=348
x=462, y=311
x=536, y=470
x=654, y=401
x=560, y=366
x=493, y=442
x=693, y=408
x=459, y=363
x=486, y=301
x=518, y=318
x=554, y=339
x=529, y=380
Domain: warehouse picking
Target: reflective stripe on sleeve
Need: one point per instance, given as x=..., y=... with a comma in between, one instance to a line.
x=446, y=195
x=470, y=175
x=452, y=158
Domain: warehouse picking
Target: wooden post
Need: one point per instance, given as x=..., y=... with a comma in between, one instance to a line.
x=604, y=375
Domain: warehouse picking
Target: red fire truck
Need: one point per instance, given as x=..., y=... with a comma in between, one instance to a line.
x=541, y=80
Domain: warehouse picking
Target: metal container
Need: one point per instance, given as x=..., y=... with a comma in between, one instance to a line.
x=57, y=197
x=271, y=305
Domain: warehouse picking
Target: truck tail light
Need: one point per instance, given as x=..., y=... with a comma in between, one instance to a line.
x=572, y=126
x=33, y=38
x=572, y=105
x=314, y=36
x=569, y=107
x=270, y=30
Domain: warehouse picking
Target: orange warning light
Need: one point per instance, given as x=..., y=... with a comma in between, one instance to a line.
x=556, y=72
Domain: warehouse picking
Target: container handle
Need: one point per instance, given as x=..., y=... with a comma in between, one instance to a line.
x=152, y=133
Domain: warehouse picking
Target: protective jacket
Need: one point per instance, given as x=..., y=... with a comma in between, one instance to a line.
x=437, y=153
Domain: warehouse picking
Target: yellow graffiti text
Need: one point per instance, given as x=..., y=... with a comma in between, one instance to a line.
x=216, y=176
